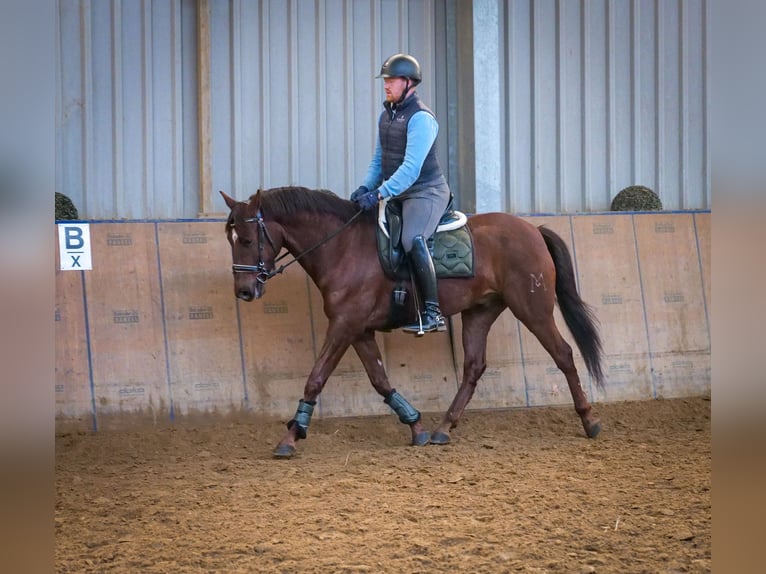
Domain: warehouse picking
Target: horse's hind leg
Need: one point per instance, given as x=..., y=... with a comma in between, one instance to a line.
x=549, y=336
x=476, y=324
x=369, y=353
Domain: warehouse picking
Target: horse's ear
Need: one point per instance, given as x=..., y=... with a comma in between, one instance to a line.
x=230, y=201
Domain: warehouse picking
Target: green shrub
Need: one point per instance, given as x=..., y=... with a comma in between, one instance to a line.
x=65, y=209
x=636, y=198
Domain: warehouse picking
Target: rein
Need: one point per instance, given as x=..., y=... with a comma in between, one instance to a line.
x=263, y=233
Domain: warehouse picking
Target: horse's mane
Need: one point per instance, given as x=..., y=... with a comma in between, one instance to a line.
x=281, y=202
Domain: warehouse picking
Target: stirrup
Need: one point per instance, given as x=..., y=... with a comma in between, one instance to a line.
x=433, y=322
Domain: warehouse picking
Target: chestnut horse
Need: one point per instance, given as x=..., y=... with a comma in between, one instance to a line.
x=335, y=244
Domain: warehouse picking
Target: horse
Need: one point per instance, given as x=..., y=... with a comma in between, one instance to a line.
x=335, y=243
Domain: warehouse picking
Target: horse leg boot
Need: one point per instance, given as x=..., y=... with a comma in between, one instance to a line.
x=369, y=353
x=298, y=426
x=408, y=415
x=423, y=266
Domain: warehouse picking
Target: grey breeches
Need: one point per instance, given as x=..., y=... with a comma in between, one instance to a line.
x=421, y=212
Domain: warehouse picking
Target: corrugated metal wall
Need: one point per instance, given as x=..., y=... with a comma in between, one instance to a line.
x=572, y=100
x=593, y=96
x=126, y=114
x=294, y=100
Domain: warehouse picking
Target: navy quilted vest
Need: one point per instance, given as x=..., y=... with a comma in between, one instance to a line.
x=392, y=129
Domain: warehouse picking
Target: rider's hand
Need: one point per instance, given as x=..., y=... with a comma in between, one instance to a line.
x=368, y=201
x=360, y=191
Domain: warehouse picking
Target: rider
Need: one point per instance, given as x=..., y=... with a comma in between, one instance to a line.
x=405, y=166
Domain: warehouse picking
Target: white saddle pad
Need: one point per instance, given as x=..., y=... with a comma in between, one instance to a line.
x=457, y=224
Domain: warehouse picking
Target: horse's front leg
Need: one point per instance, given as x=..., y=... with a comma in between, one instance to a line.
x=336, y=342
x=369, y=352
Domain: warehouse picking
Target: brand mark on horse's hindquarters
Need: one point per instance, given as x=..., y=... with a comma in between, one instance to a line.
x=536, y=281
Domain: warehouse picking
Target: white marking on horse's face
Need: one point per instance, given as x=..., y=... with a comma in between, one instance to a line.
x=380, y=362
x=233, y=235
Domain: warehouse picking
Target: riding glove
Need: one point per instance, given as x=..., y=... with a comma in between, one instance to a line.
x=368, y=201
x=360, y=191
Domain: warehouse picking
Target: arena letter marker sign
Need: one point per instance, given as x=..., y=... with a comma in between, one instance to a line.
x=74, y=246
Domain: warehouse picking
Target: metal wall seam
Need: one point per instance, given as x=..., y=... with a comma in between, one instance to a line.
x=322, y=131
x=147, y=101
x=87, y=100
x=176, y=108
x=510, y=124
x=611, y=98
x=659, y=84
x=376, y=61
x=535, y=134
x=635, y=120
x=706, y=161
x=58, y=163
x=264, y=100
x=586, y=115
x=118, y=166
x=683, y=108
x=404, y=31
x=561, y=125
x=293, y=78
x=237, y=73
x=348, y=68
x=429, y=35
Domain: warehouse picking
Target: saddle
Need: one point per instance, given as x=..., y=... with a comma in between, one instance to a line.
x=451, y=246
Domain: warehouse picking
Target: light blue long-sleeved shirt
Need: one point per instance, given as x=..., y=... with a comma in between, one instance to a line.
x=422, y=130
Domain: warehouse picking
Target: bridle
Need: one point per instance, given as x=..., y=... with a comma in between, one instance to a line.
x=263, y=274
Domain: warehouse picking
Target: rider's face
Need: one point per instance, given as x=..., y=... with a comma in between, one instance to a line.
x=394, y=88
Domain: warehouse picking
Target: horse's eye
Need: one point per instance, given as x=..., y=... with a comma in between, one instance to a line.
x=245, y=241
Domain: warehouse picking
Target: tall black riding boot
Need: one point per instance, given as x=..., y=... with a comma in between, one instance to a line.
x=423, y=267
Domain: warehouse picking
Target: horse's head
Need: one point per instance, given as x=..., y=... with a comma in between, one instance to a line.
x=253, y=247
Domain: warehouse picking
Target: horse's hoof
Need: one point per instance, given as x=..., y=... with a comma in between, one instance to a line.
x=440, y=438
x=284, y=451
x=593, y=429
x=421, y=439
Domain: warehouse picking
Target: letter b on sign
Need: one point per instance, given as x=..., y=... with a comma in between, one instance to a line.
x=73, y=237
x=74, y=246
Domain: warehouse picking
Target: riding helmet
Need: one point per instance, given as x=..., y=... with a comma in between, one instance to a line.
x=401, y=66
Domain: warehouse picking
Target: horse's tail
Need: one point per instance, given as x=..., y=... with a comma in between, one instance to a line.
x=578, y=315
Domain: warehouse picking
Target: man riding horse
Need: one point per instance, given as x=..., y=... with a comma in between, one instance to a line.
x=405, y=166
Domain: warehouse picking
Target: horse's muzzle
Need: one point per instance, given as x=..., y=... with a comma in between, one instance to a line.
x=249, y=292
x=245, y=295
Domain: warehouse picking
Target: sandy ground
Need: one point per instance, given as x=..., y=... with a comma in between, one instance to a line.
x=517, y=491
